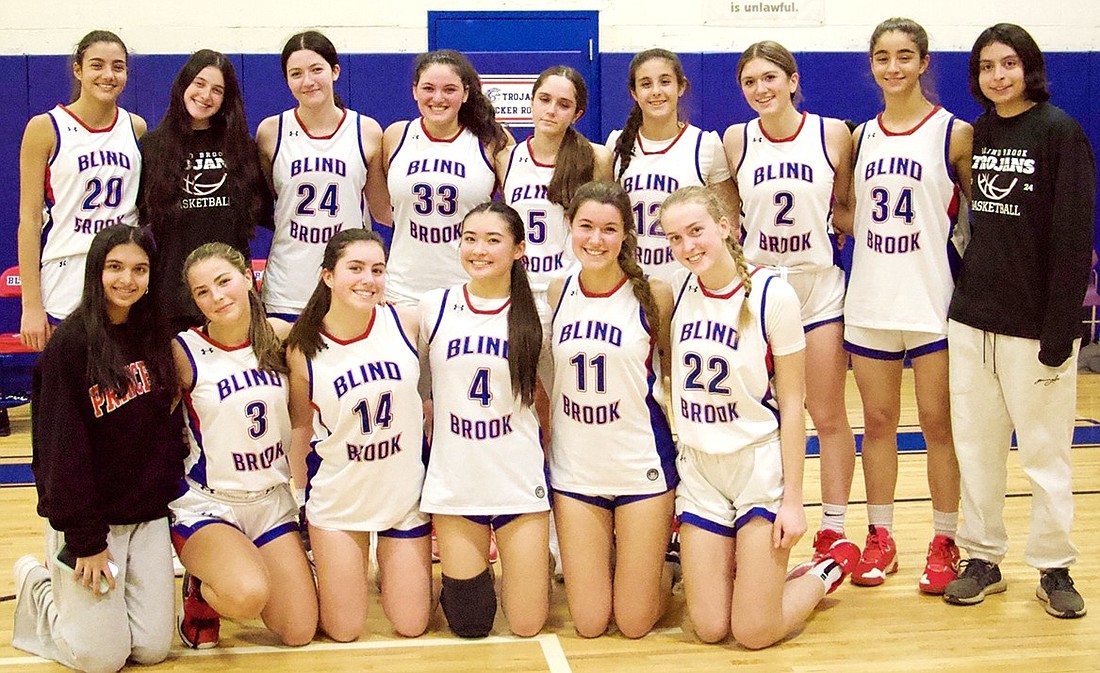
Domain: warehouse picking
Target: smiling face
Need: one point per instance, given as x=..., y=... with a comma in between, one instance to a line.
x=310, y=78
x=487, y=248
x=598, y=232
x=656, y=89
x=1002, y=79
x=766, y=87
x=125, y=279
x=554, y=106
x=697, y=240
x=203, y=97
x=896, y=63
x=358, y=279
x=220, y=290
x=439, y=94
x=102, y=72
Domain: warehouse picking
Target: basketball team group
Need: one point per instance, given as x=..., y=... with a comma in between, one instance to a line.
x=587, y=361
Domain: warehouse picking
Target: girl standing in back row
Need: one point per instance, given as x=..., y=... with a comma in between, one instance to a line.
x=786, y=223
x=657, y=153
x=81, y=161
x=438, y=167
x=325, y=164
x=911, y=163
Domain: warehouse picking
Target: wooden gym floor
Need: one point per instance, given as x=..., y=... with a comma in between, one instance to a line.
x=892, y=627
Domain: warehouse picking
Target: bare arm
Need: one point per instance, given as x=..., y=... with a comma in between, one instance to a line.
x=961, y=150
x=301, y=416
x=838, y=145
x=34, y=155
x=266, y=140
x=140, y=127
x=376, y=190
x=733, y=142
x=662, y=292
x=602, y=169
x=790, y=385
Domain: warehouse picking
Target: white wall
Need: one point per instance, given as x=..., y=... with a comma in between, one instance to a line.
x=234, y=26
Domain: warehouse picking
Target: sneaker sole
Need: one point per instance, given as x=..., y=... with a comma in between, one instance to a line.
x=874, y=580
x=995, y=588
x=931, y=589
x=1066, y=614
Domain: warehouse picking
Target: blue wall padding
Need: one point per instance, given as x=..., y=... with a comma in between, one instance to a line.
x=836, y=84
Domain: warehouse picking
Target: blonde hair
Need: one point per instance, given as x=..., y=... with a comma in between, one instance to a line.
x=713, y=205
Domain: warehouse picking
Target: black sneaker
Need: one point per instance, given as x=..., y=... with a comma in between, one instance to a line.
x=977, y=578
x=1058, y=595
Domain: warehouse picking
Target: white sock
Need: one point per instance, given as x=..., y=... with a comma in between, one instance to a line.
x=832, y=517
x=882, y=516
x=945, y=523
x=828, y=571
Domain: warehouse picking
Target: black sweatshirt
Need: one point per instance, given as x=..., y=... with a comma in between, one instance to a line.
x=1026, y=267
x=98, y=460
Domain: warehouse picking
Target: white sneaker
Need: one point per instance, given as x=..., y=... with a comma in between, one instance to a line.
x=24, y=567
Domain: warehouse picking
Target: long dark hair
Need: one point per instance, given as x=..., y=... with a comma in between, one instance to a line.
x=261, y=335
x=108, y=361
x=306, y=333
x=624, y=146
x=82, y=46
x=613, y=194
x=161, y=184
x=314, y=41
x=477, y=113
x=575, y=163
x=524, y=325
x=1031, y=58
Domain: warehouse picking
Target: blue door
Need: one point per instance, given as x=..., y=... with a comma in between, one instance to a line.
x=509, y=49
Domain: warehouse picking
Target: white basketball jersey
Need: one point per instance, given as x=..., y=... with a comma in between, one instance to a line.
x=319, y=183
x=238, y=422
x=549, y=253
x=610, y=435
x=658, y=168
x=905, y=210
x=366, y=469
x=786, y=189
x=91, y=183
x=433, y=184
x=722, y=391
x=485, y=453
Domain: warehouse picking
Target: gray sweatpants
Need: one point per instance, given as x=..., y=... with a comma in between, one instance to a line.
x=57, y=618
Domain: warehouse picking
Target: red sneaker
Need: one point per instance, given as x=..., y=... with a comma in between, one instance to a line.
x=880, y=558
x=942, y=566
x=846, y=555
x=199, y=624
x=822, y=541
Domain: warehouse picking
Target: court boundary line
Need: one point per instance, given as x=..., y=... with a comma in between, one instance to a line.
x=549, y=645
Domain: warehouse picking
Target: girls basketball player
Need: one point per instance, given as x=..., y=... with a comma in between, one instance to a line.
x=738, y=387
x=792, y=175
x=486, y=467
x=353, y=384
x=323, y=160
x=656, y=153
x=80, y=161
x=1018, y=304
x=106, y=463
x=438, y=167
x=611, y=459
x=911, y=161
x=540, y=176
x=235, y=523
x=202, y=180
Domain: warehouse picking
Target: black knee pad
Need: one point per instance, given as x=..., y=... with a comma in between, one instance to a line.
x=469, y=605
